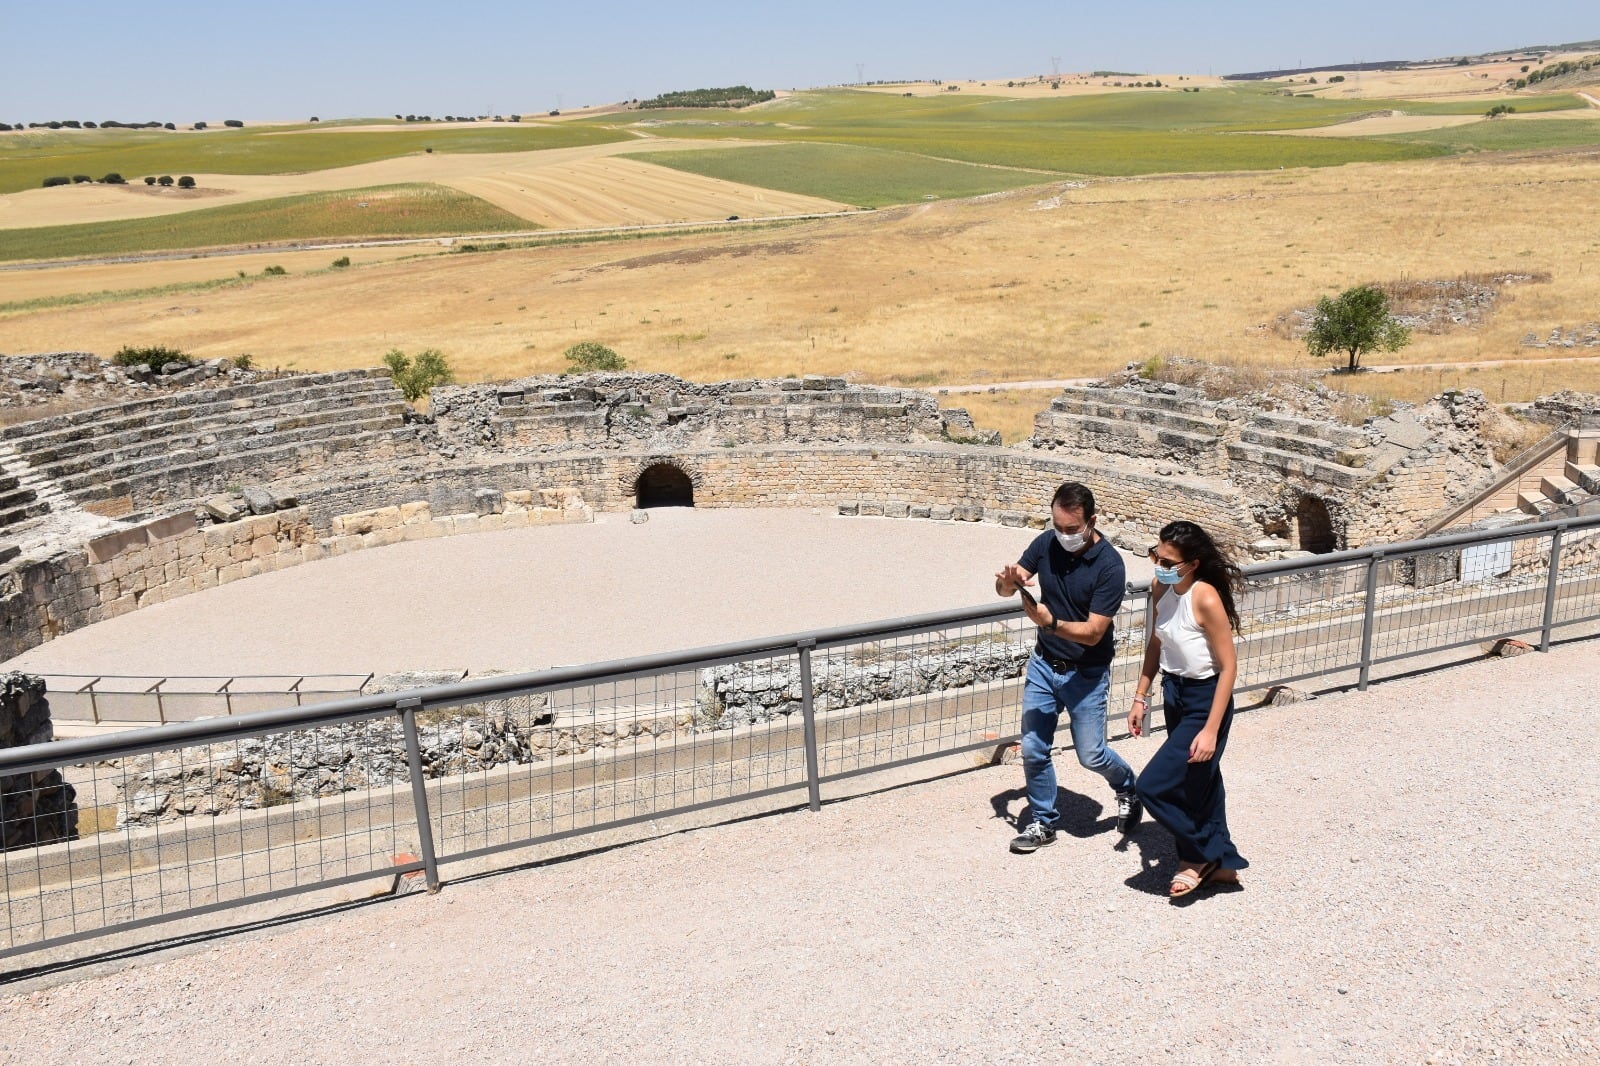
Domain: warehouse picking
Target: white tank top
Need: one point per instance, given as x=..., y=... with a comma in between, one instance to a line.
x=1184, y=650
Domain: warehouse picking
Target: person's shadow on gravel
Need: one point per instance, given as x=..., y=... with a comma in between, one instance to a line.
x=1079, y=815
x=1158, y=862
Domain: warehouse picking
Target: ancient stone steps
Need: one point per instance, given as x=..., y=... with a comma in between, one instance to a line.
x=211, y=434
x=1585, y=475
x=210, y=476
x=105, y=475
x=1312, y=447
x=1560, y=489
x=1279, y=462
x=1127, y=405
x=149, y=420
x=259, y=389
x=1344, y=436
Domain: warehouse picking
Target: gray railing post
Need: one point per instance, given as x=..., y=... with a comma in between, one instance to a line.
x=808, y=711
x=1550, y=588
x=419, y=793
x=1368, y=611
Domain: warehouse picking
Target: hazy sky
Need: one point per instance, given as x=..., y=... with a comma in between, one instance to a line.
x=136, y=60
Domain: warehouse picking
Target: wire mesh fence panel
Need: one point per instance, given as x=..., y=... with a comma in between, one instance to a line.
x=1424, y=605
x=1300, y=624
x=1577, y=600
x=510, y=771
x=153, y=836
x=905, y=697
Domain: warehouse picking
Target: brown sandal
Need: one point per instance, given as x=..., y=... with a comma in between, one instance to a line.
x=1186, y=881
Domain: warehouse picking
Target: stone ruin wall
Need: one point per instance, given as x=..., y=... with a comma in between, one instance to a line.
x=37, y=807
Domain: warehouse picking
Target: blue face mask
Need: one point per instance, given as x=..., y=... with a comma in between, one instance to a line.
x=1169, y=575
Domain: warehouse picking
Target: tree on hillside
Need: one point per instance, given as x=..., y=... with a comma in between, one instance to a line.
x=1355, y=322
x=592, y=355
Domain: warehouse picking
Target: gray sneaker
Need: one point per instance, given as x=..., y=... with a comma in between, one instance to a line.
x=1130, y=809
x=1031, y=839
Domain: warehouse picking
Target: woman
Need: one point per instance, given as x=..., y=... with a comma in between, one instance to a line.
x=1193, y=645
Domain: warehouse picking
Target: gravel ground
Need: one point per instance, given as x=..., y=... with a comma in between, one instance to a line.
x=531, y=598
x=1423, y=885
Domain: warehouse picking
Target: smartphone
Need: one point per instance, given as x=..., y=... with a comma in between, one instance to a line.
x=1027, y=594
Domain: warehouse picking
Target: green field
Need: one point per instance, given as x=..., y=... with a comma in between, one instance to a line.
x=26, y=159
x=1112, y=134
x=1508, y=136
x=865, y=177
x=385, y=211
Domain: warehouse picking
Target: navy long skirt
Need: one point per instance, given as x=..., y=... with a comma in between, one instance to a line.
x=1189, y=798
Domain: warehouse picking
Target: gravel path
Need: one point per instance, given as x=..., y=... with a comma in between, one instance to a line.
x=531, y=598
x=1423, y=889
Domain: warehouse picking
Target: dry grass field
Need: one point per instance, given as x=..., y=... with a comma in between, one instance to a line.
x=1062, y=280
x=557, y=187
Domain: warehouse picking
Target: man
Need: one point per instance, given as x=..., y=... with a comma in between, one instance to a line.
x=1080, y=585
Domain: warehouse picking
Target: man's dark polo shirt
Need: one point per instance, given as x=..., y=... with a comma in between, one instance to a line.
x=1073, y=587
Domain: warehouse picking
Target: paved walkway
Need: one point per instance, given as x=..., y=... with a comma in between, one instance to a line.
x=1422, y=889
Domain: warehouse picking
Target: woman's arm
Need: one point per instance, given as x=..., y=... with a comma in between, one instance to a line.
x=1144, y=688
x=1213, y=622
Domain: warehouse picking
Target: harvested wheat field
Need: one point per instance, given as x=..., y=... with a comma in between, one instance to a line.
x=554, y=187
x=1393, y=122
x=1060, y=280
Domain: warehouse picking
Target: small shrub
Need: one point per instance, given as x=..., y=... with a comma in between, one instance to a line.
x=415, y=378
x=274, y=271
x=81, y=179
x=149, y=179
x=314, y=118
x=169, y=126
x=244, y=361
x=341, y=262
x=591, y=355
x=199, y=125
x=113, y=178
x=50, y=183
x=233, y=123
x=154, y=357
x=186, y=182
x=165, y=181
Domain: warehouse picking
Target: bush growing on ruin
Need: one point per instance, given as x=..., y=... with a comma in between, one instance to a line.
x=592, y=355
x=415, y=378
x=154, y=357
x=1355, y=322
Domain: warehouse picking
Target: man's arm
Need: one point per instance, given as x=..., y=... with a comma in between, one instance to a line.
x=1090, y=632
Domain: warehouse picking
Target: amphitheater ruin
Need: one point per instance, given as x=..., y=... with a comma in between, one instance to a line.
x=225, y=475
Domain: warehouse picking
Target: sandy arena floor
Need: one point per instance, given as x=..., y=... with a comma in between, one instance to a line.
x=555, y=595
x=1422, y=889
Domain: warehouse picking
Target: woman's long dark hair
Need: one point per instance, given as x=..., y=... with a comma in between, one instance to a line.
x=1213, y=566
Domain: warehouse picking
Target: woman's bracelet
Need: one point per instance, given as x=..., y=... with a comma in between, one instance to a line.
x=1140, y=697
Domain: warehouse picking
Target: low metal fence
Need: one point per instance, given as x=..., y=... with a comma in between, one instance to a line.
x=186, y=819
x=107, y=699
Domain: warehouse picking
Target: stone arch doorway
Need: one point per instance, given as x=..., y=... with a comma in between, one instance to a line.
x=663, y=485
x=1314, y=526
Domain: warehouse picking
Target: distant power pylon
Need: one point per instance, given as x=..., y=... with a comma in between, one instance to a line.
x=1055, y=66
x=861, y=73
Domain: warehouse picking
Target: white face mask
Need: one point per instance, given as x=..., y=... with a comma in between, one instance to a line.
x=1072, y=542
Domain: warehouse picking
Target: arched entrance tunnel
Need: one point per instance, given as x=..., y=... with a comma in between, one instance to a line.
x=663, y=485
x=1315, y=526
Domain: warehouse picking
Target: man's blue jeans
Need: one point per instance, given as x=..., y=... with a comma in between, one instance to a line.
x=1081, y=693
